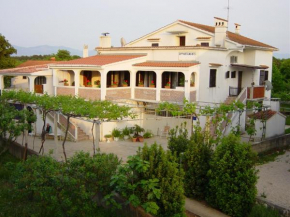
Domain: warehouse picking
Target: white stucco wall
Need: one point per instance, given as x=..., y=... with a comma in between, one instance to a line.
x=275, y=126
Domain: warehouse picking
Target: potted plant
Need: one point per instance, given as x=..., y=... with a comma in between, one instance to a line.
x=167, y=85
x=192, y=84
x=126, y=132
x=141, y=84
x=152, y=84
x=115, y=84
x=134, y=138
x=89, y=83
x=138, y=130
x=131, y=131
x=65, y=82
x=147, y=135
x=116, y=133
x=97, y=83
x=108, y=137
x=125, y=83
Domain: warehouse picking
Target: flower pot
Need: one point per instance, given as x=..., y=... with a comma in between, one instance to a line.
x=125, y=85
x=65, y=84
x=126, y=137
x=134, y=139
x=140, y=85
x=115, y=85
x=116, y=139
x=108, y=140
x=152, y=86
x=88, y=85
x=167, y=87
x=140, y=139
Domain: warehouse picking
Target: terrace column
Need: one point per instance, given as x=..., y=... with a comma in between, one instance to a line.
x=77, y=81
x=31, y=83
x=103, y=84
x=187, y=85
x=133, y=83
x=158, y=84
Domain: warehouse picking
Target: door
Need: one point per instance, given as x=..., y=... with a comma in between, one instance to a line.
x=240, y=78
x=182, y=41
x=87, y=77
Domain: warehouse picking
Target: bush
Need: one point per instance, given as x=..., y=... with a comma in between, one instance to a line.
x=196, y=165
x=163, y=166
x=63, y=189
x=233, y=177
x=178, y=140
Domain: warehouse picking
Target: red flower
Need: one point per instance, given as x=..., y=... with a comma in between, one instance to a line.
x=152, y=82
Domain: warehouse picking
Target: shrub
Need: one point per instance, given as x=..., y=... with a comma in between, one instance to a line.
x=163, y=166
x=178, y=139
x=196, y=165
x=116, y=132
x=233, y=177
x=147, y=134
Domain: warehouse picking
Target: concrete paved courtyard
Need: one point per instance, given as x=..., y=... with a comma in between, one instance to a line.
x=122, y=149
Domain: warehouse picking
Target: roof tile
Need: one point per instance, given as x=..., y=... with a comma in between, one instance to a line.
x=166, y=64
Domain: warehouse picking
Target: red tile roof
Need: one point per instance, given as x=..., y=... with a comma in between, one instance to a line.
x=28, y=70
x=100, y=60
x=232, y=36
x=35, y=63
x=263, y=114
x=165, y=64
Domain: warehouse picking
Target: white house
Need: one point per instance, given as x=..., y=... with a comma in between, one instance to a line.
x=204, y=64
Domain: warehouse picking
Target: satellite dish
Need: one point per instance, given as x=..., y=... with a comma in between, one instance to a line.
x=123, y=42
x=105, y=33
x=268, y=85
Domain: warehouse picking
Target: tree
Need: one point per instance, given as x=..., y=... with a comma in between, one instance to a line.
x=65, y=55
x=285, y=68
x=233, y=177
x=6, y=49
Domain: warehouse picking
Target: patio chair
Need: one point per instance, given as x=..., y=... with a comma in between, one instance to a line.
x=165, y=131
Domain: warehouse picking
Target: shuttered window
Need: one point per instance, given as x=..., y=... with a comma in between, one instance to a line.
x=212, y=78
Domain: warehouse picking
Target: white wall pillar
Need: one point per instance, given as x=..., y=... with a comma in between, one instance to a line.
x=187, y=76
x=158, y=83
x=133, y=83
x=1, y=83
x=103, y=84
x=31, y=83
x=77, y=81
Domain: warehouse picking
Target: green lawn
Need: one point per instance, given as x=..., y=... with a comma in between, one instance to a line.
x=262, y=211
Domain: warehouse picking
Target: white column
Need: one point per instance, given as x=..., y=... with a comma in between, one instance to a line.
x=103, y=84
x=55, y=136
x=133, y=83
x=187, y=85
x=158, y=84
x=77, y=81
x=1, y=83
x=31, y=83
x=97, y=134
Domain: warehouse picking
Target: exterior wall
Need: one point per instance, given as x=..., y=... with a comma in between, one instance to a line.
x=275, y=126
x=90, y=93
x=118, y=93
x=19, y=83
x=192, y=96
x=145, y=93
x=171, y=95
x=65, y=91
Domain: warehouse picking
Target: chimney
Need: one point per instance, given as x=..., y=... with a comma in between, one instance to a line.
x=52, y=58
x=237, y=28
x=220, y=31
x=85, y=51
x=105, y=40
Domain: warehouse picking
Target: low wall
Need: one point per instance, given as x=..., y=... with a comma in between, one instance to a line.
x=273, y=143
x=285, y=212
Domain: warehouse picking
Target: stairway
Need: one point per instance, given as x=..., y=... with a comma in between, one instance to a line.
x=82, y=135
x=230, y=100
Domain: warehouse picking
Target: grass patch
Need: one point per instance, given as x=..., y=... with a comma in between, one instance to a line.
x=288, y=120
x=269, y=156
x=287, y=131
x=262, y=211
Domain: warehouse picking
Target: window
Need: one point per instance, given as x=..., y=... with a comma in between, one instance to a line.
x=155, y=44
x=212, y=78
x=204, y=44
x=234, y=59
x=263, y=76
x=182, y=41
x=227, y=74
x=40, y=80
x=24, y=77
x=233, y=74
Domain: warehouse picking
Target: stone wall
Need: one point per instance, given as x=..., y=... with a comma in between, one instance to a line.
x=65, y=91
x=118, y=93
x=172, y=95
x=147, y=94
x=92, y=94
x=273, y=143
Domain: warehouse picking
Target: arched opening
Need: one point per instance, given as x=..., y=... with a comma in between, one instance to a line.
x=38, y=84
x=118, y=78
x=90, y=79
x=172, y=79
x=146, y=79
x=192, y=79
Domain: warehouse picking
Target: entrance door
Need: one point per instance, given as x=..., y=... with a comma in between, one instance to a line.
x=87, y=77
x=182, y=41
x=240, y=78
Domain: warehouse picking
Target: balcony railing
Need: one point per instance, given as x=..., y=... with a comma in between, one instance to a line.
x=234, y=91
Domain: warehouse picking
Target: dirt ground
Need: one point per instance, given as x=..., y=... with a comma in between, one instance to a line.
x=274, y=180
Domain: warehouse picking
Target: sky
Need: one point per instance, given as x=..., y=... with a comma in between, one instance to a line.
x=29, y=23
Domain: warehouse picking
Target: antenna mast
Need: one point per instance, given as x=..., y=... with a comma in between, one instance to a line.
x=228, y=8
